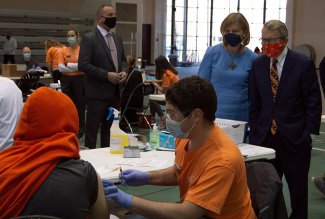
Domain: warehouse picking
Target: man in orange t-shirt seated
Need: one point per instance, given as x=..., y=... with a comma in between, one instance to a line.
x=209, y=168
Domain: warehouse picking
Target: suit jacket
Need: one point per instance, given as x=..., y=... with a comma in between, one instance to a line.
x=322, y=73
x=297, y=107
x=95, y=61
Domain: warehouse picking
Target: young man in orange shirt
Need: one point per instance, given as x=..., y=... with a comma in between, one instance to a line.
x=209, y=168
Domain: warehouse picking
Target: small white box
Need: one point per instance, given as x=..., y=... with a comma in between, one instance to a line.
x=21, y=67
x=131, y=152
x=234, y=129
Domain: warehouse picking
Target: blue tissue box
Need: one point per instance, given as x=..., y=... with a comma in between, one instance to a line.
x=166, y=140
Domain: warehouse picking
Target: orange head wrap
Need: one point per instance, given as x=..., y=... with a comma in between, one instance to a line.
x=46, y=133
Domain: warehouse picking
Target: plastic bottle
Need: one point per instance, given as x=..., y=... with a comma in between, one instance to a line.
x=154, y=137
x=119, y=138
x=143, y=73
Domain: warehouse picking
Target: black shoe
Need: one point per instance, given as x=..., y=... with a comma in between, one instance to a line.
x=80, y=135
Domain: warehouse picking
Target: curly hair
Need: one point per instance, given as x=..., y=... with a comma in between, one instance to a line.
x=193, y=92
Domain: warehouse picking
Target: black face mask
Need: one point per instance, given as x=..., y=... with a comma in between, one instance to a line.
x=232, y=39
x=8, y=37
x=110, y=22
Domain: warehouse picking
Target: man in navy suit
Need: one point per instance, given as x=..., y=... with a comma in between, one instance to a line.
x=285, y=110
x=100, y=58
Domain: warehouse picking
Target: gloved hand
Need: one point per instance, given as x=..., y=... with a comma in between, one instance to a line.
x=112, y=192
x=134, y=178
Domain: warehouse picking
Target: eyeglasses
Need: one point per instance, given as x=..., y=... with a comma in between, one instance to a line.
x=270, y=41
x=171, y=115
x=175, y=115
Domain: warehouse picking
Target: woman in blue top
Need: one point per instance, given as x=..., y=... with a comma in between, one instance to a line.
x=227, y=66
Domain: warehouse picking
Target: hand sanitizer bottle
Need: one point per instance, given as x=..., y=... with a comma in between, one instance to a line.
x=154, y=137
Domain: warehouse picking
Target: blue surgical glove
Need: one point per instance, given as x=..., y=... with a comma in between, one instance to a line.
x=134, y=178
x=112, y=192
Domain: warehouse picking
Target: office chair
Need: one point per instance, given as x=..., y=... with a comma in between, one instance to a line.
x=265, y=188
x=307, y=50
x=28, y=83
x=132, y=107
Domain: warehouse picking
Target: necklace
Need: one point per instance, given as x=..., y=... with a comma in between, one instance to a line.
x=233, y=64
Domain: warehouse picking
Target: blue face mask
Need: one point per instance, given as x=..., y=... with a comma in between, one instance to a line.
x=72, y=41
x=232, y=39
x=174, y=128
x=26, y=55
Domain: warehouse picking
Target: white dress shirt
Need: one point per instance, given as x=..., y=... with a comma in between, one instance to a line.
x=281, y=58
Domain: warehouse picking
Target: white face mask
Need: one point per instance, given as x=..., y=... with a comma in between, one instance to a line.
x=174, y=128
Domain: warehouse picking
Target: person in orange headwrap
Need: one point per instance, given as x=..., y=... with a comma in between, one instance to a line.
x=42, y=172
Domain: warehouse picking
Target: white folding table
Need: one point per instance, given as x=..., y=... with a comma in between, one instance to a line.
x=108, y=165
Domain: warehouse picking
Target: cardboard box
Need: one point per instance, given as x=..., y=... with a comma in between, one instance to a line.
x=13, y=70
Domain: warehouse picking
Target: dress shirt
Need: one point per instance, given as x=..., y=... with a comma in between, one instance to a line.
x=104, y=33
x=281, y=58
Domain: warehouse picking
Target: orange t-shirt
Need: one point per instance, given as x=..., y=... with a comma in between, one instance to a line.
x=214, y=177
x=52, y=56
x=69, y=55
x=168, y=79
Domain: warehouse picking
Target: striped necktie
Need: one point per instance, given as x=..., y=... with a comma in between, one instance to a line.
x=274, y=76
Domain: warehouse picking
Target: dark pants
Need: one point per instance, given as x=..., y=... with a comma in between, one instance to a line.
x=7, y=58
x=56, y=74
x=97, y=112
x=295, y=167
x=73, y=86
x=155, y=108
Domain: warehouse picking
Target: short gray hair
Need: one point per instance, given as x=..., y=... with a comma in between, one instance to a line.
x=277, y=25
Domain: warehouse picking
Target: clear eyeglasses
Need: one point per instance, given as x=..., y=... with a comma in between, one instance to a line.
x=270, y=40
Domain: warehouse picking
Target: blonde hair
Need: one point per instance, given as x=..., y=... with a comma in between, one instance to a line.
x=130, y=60
x=240, y=20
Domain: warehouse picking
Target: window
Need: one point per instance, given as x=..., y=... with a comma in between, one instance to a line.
x=197, y=23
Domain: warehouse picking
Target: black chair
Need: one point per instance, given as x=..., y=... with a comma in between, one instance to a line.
x=28, y=83
x=265, y=188
x=132, y=107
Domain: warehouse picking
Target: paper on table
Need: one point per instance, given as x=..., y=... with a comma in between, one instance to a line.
x=254, y=150
x=142, y=162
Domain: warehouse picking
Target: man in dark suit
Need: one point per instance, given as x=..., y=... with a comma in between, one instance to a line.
x=100, y=58
x=285, y=110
